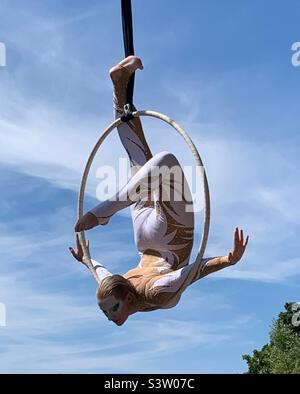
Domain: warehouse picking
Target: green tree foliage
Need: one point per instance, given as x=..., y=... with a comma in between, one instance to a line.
x=282, y=354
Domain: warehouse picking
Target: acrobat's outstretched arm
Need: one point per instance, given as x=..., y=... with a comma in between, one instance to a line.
x=78, y=254
x=218, y=263
x=180, y=279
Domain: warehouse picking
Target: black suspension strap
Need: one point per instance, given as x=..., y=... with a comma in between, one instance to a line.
x=129, y=50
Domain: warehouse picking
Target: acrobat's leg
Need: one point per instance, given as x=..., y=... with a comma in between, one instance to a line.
x=133, y=139
x=138, y=190
x=131, y=134
x=174, y=213
x=162, y=224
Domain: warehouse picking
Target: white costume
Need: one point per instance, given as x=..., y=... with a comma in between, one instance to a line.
x=163, y=221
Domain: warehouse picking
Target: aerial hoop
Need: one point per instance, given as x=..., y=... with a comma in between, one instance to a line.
x=199, y=165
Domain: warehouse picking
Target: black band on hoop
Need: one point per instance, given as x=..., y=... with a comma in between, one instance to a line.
x=127, y=112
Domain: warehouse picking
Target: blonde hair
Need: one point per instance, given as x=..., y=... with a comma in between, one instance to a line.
x=119, y=287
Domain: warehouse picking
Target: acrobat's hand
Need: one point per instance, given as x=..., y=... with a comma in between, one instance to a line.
x=87, y=222
x=239, y=247
x=78, y=252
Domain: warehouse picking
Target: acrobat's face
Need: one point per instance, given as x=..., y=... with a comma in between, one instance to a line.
x=114, y=309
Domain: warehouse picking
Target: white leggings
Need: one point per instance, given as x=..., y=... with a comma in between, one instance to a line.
x=162, y=214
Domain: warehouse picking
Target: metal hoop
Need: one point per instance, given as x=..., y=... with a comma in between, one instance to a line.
x=199, y=165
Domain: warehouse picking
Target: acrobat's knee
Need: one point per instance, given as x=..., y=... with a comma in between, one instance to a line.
x=165, y=158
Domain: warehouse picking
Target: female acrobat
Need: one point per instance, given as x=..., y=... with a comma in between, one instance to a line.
x=163, y=222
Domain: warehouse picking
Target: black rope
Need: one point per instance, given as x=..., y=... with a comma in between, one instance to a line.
x=129, y=50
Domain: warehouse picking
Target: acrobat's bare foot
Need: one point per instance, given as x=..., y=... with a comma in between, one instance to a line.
x=125, y=68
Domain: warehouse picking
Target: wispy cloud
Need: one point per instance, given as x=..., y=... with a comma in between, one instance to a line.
x=41, y=323
x=242, y=192
x=48, y=309
x=56, y=99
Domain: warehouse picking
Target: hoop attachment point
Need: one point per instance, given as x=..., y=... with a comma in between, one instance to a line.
x=127, y=113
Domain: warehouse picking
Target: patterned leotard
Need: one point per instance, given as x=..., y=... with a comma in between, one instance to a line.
x=163, y=222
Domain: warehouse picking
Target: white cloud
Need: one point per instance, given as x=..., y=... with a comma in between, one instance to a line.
x=48, y=133
x=45, y=321
x=43, y=329
x=251, y=185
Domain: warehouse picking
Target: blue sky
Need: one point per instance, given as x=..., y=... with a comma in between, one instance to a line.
x=223, y=70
